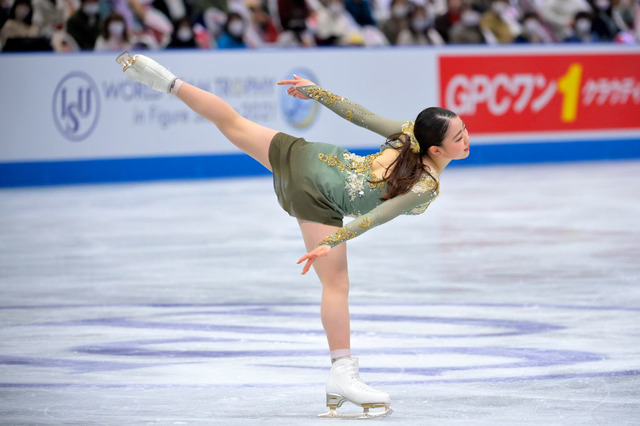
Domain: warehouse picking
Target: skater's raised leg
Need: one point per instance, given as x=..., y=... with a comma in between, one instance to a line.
x=250, y=137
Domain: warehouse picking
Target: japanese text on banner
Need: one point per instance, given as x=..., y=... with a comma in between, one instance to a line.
x=521, y=93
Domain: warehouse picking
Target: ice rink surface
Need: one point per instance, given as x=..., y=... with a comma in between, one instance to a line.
x=513, y=300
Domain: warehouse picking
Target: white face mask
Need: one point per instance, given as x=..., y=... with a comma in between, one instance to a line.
x=499, y=7
x=91, y=8
x=336, y=8
x=603, y=4
x=184, y=34
x=419, y=24
x=236, y=28
x=532, y=26
x=470, y=18
x=116, y=28
x=399, y=11
x=583, y=26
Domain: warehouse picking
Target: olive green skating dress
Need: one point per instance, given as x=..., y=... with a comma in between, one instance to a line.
x=323, y=183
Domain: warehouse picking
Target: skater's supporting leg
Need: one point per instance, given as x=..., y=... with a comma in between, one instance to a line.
x=250, y=137
x=333, y=274
x=344, y=383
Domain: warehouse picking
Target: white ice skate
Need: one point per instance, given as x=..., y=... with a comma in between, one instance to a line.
x=146, y=71
x=344, y=384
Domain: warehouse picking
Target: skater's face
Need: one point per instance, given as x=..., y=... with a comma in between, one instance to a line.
x=455, y=145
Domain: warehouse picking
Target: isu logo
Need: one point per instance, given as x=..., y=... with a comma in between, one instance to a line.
x=76, y=106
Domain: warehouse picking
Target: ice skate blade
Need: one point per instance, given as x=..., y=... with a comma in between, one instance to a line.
x=126, y=60
x=366, y=414
x=334, y=401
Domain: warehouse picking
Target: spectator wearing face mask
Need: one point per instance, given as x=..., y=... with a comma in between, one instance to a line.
x=183, y=35
x=420, y=30
x=84, y=24
x=494, y=24
x=532, y=30
x=603, y=23
x=232, y=36
x=559, y=15
x=19, y=21
x=114, y=35
x=467, y=29
x=445, y=22
x=582, y=29
x=398, y=20
x=19, y=33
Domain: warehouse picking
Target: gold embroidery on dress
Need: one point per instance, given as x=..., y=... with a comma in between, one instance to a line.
x=322, y=95
x=349, y=115
x=375, y=182
x=366, y=223
x=419, y=209
x=424, y=184
x=356, y=168
x=332, y=160
x=337, y=237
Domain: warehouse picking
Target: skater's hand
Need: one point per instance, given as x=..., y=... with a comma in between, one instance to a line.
x=312, y=256
x=296, y=82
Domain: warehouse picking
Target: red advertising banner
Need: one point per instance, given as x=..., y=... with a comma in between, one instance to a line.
x=542, y=92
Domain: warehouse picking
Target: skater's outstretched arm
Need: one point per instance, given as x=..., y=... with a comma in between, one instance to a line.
x=302, y=88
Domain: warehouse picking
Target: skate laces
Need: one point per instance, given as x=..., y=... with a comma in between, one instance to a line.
x=356, y=381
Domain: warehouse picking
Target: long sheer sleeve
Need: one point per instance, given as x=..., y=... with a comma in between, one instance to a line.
x=353, y=112
x=413, y=202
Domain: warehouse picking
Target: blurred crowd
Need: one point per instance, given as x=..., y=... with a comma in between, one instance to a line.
x=117, y=25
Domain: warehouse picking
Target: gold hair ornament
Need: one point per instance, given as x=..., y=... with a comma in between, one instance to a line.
x=407, y=129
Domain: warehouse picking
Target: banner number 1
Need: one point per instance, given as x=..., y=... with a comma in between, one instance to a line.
x=569, y=86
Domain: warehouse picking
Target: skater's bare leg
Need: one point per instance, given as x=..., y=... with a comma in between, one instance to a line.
x=250, y=137
x=333, y=274
x=343, y=383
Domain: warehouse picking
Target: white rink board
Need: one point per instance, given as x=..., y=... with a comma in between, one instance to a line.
x=130, y=120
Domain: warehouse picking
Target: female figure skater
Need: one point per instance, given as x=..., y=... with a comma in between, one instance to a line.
x=319, y=184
